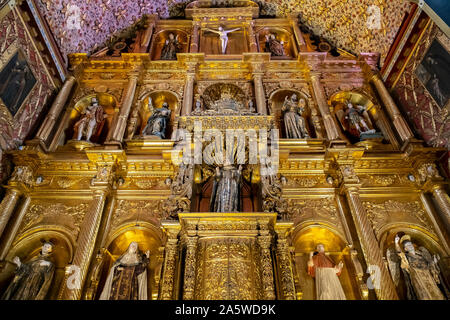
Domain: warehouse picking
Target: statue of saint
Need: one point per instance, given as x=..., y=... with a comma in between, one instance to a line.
x=356, y=120
x=171, y=47
x=91, y=121
x=326, y=273
x=225, y=196
x=420, y=270
x=223, y=35
x=32, y=279
x=127, y=279
x=157, y=123
x=274, y=46
x=294, y=121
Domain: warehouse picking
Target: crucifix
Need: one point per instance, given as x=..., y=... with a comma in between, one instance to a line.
x=223, y=34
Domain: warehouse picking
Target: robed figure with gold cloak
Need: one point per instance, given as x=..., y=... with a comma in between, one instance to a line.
x=127, y=279
x=326, y=272
x=32, y=280
x=420, y=271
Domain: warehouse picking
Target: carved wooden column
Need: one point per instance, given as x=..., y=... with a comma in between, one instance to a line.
x=252, y=37
x=168, y=272
x=383, y=123
x=7, y=206
x=189, y=269
x=435, y=184
x=284, y=262
x=147, y=36
x=88, y=232
x=61, y=127
x=298, y=34
x=193, y=48
x=319, y=93
x=399, y=122
x=440, y=228
x=55, y=110
x=260, y=95
x=265, y=242
x=188, y=93
x=369, y=244
x=443, y=201
x=128, y=98
x=11, y=234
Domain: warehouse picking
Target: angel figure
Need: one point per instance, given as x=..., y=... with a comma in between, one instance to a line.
x=223, y=35
x=420, y=270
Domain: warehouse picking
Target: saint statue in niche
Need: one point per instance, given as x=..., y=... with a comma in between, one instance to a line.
x=91, y=122
x=127, y=279
x=326, y=272
x=226, y=189
x=32, y=279
x=274, y=46
x=223, y=35
x=157, y=123
x=171, y=47
x=356, y=122
x=294, y=120
x=420, y=270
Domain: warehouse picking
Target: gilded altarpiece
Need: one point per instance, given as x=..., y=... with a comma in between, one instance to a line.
x=352, y=193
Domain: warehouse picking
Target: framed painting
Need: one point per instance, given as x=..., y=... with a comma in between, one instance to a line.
x=16, y=82
x=434, y=73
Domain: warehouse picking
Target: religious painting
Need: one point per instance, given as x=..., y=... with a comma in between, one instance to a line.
x=16, y=82
x=434, y=73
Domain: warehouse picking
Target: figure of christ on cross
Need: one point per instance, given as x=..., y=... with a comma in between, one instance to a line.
x=223, y=34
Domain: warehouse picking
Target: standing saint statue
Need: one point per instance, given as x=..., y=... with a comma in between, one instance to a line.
x=223, y=35
x=225, y=195
x=171, y=47
x=157, y=123
x=420, y=270
x=91, y=121
x=127, y=279
x=356, y=120
x=32, y=279
x=326, y=272
x=274, y=46
x=294, y=121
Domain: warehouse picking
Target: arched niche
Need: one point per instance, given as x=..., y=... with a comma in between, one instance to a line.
x=149, y=238
x=371, y=115
x=159, y=39
x=419, y=237
x=142, y=112
x=109, y=104
x=276, y=101
x=281, y=34
x=305, y=240
x=29, y=246
x=249, y=201
x=219, y=95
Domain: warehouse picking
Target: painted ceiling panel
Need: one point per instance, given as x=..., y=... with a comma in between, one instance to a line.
x=353, y=25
